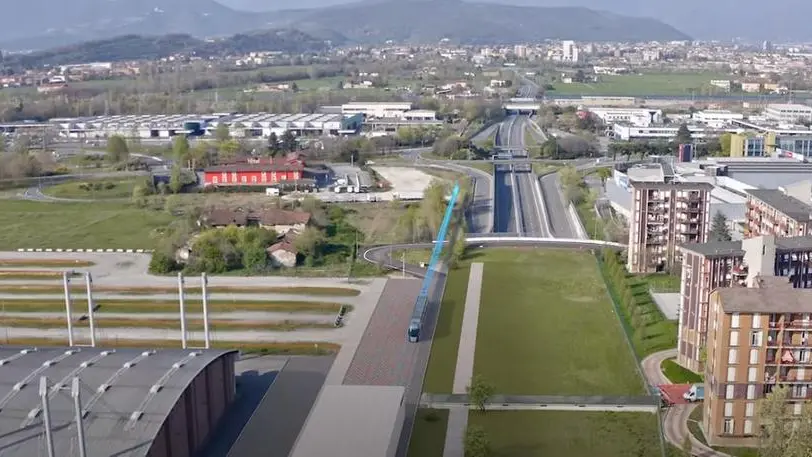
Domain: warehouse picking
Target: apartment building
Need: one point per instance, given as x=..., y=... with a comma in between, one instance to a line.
x=758, y=338
x=710, y=266
x=664, y=215
x=775, y=212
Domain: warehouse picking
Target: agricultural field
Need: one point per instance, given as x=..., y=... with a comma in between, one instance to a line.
x=639, y=85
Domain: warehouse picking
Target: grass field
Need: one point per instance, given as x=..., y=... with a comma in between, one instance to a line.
x=191, y=324
x=93, y=190
x=678, y=374
x=58, y=289
x=440, y=372
x=303, y=348
x=487, y=167
x=569, y=433
x=547, y=326
x=53, y=263
x=168, y=306
x=33, y=275
x=638, y=85
x=95, y=225
x=428, y=435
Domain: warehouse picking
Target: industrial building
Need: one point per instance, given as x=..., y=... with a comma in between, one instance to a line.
x=758, y=339
x=716, y=118
x=132, y=402
x=376, y=109
x=353, y=421
x=639, y=117
x=709, y=266
x=240, y=126
x=626, y=131
x=663, y=215
x=788, y=113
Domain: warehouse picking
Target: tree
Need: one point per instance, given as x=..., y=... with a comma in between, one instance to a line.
x=476, y=442
x=288, y=141
x=549, y=149
x=176, y=179
x=604, y=174
x=222, y=133
x=117, y=149
x=273, y=144
x=459, y=247
x=776, y=426
x=800, y=444
x=254, y=257
x=683, y=135
x=162, y=263
x=309, y=242
x=720, y=231
x=480, y=391
x=724, y=143
x=180, y=148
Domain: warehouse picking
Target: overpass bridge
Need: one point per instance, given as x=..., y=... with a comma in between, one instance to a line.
x=522, y=106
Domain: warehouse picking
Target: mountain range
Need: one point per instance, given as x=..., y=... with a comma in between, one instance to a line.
x=776, y=20
x=41, y=24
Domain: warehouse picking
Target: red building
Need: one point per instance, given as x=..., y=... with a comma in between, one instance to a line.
x=254, y=173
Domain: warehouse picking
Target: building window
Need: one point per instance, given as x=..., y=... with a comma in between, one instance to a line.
x=734, y=320
x=729, y=391
x=734, y=338
x=224, y=177
x=797, y=408
x=755, y=338
x=727, y=428
x=751, y=391
x=732, y=356
x=254, y=179
x=233, y=177
x=753, y=356
x=756, y=320
x=214, y=179
x=748, y=427
x=244, y=179
x=751, y=374
x=749, y=409
x=264, y=176
x=728, y=409
x=731, y=374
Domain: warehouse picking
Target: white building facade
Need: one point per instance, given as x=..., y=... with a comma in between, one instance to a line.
x=640, y=117
x=376, y=109
x=717, y=118
x=788, y=113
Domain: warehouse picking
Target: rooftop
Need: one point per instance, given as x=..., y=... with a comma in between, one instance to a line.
x=115, y=384
x=771, y=295
x=352, y=421
x=672, y=185
x=734, y=248
x=790, y=206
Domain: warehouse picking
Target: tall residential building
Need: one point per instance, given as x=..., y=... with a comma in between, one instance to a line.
x=520, y=50
x=569, y=51
x=664, y=215
x=710, y=266
x=775, y=212
x=758, y=338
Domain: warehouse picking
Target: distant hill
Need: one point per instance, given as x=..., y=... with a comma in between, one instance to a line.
x=42, y=24
x=137, y=47
x=423, y=21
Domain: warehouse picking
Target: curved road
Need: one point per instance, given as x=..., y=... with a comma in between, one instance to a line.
x=675, y=419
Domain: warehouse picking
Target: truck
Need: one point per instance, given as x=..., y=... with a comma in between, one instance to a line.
x=695, y=393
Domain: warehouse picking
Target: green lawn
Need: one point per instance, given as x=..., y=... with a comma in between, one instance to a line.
x=647, y=84
x=679, y=374
x=428, y=435
x=569, y=433
x=94, y=190
x=547, y=326
x=95, y=225
x=662, y=282
x=443, y=360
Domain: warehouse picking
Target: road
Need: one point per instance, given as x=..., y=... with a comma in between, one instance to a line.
x=675, y=420
x=558, y=216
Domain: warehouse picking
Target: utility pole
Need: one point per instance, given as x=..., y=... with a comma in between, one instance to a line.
x=90, y=320
x=182, y=312
x=204, y=281
x=68, y=311
x=46, y=415
x=75, y=393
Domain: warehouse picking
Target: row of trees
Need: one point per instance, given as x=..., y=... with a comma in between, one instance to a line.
x=422, y=221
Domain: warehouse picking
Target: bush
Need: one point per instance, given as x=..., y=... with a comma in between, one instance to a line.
x=162, y=263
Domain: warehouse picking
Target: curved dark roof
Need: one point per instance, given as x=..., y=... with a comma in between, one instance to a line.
x=115, y=385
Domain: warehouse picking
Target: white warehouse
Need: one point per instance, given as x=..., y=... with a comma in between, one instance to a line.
x=377, y=109
x=641, y=117
x=240, y=125
x=717, y=118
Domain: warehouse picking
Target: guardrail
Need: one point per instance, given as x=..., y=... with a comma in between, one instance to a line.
x=340, y=317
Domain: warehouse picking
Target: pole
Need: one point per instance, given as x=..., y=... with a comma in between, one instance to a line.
x=90, y=320
x=46, y=415
x=75, y=392
x=68, y=311
x=204, y=283
x=182, y=312
x=403, y=260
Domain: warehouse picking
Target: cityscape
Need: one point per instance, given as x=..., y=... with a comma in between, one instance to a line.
x=249, y=233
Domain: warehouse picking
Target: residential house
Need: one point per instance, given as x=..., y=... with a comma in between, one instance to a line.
x=280, y=220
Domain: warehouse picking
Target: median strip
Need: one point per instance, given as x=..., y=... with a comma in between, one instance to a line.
x=23, y=289
x=51, y=263
x=191, y=324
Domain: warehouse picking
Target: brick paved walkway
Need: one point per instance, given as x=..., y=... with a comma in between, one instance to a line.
x=384, y=357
